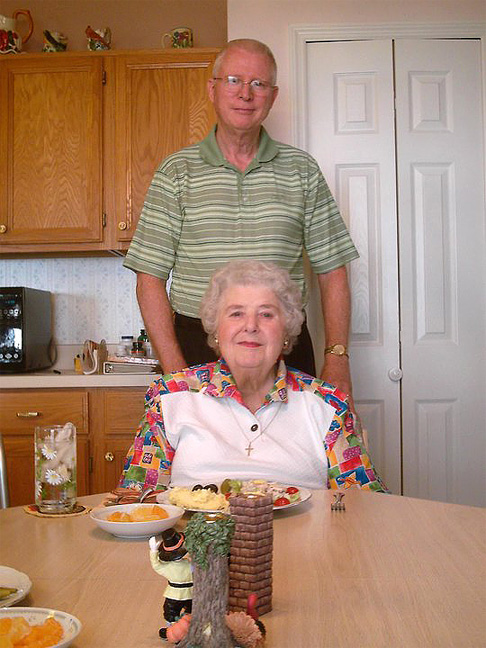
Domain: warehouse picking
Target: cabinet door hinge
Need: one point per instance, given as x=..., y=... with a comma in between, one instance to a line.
x=103, y=220
x=90, y=465
x=103, y=77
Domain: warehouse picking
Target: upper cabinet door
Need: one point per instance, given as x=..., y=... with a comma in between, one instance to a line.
x=161, y=105
x=51, y=160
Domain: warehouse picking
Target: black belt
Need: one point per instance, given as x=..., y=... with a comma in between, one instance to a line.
x=179, y=584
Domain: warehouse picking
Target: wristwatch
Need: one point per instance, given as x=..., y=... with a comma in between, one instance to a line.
x=337, y=349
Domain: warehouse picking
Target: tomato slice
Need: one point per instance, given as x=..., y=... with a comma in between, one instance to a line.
x=291, y=490
x=281, y=501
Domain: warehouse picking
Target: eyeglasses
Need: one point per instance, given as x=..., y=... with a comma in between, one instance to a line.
x=234, y=84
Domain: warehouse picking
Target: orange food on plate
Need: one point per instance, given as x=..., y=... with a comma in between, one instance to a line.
x=139, y=514
x=119, y=516
x=18, y=633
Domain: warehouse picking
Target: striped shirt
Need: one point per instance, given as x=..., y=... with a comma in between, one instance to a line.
x=201, y=212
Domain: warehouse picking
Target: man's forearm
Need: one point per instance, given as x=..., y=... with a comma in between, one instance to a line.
x=157, y=316
x=336, y=310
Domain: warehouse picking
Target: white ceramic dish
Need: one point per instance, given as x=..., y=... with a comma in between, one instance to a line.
x=305, y=494
x=35, y=616
x=12, y=578
x=135, y=529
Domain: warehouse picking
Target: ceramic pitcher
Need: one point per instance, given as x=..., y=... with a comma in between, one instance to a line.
x=180, y=37
x=10, y=39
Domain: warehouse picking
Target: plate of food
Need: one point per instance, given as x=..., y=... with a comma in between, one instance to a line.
x=54, y=628
x=212, y=498
x=14, y=586
x=136, y=520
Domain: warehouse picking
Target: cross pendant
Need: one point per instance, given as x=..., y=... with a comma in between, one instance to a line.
x=249, y=448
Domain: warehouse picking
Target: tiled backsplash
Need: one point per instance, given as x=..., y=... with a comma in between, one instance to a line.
x=93, y=298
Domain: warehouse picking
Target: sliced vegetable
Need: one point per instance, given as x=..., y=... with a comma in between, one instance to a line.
x=281, y=501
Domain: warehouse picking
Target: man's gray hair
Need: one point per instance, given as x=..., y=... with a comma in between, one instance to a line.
x=249, y=45
x=254, y=273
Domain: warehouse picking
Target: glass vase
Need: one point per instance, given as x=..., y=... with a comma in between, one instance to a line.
x=55, y=468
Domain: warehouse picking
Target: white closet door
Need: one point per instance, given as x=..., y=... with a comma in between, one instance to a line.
x=442, y=269
x=350, y=128
x=433, y=421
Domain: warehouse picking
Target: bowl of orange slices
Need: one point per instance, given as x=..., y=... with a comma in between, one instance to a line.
x=136, y=520
x=26, y=626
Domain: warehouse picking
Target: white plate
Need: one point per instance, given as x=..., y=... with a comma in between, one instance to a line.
x=12, y=578
x=305, y=494
x=35, y=616
x=135, y=529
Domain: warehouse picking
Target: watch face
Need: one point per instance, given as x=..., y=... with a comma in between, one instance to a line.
x=339, y=349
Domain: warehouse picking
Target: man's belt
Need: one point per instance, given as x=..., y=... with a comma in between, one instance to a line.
x=180, y=584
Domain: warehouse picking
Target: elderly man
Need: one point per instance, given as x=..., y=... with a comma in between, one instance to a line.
x=239, y=194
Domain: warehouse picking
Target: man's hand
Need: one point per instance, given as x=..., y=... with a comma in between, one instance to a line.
x=157, y=316
x=336, y=371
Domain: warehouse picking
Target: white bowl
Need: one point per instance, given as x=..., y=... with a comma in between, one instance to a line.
x=36, y=616
x=135, y=529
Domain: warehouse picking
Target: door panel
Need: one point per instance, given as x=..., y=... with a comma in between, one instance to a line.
x=351, y=134
x=441, y=207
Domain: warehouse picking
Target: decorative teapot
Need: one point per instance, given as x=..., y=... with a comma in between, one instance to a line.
x=10, y=39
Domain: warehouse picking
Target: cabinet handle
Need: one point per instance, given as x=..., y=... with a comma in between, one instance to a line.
x=28, y=414
x=3, y=229
x=109, y=456
x=122, y=226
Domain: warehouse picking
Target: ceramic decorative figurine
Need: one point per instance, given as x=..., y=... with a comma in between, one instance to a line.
x=98, y=39
x=54, y=41
x=11, y=40
x=168, y=557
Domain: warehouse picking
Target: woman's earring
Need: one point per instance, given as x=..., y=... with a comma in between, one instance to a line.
x=286, y=343
x=216, y=341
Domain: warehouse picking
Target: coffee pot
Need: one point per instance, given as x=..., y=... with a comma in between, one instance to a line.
x=10, y=39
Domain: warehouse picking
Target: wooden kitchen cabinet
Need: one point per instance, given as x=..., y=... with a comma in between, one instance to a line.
x=51, y=152
x=81, y=134
x=161, y=105
x=20, y=412
x=114, y=417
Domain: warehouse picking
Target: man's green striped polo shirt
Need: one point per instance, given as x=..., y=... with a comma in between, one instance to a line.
x=200, y=212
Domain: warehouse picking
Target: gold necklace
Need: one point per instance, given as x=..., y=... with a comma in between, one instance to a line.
x=254, y=427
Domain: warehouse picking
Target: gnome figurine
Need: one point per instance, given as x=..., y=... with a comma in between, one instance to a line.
x=168, y=557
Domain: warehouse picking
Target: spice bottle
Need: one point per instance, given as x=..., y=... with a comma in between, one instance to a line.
x=143, y=338
x=137, y=350
x=124, y=347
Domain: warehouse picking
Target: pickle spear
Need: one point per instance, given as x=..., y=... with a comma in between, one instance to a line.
x=7, y=591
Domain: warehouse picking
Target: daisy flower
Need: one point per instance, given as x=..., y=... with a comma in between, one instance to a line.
x=53, y=477
x=48, y=452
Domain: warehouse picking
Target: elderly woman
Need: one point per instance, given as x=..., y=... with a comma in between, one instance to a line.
x=248, y=415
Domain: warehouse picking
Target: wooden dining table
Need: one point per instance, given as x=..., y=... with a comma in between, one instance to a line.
x=387, y=571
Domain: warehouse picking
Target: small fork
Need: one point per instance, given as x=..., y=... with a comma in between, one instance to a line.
x=338, y=504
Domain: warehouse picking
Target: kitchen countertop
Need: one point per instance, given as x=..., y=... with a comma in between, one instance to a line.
x=64, y=378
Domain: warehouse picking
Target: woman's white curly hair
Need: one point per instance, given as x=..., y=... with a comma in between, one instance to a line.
x=250, y=272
